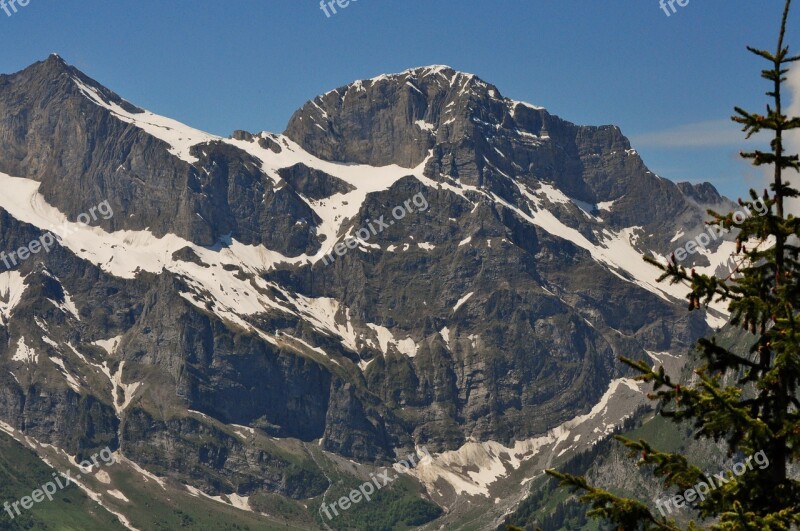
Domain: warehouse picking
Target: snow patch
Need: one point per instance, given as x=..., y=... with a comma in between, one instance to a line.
x=606, y=205
x=327, y=315
x=240, y=502
x=117, y=494
x=12, y=286
x=128, y=390
x=68, y=306
x=462, y=300
x=617, y=250
x=385, y=338
x=109, y=345
x=425, y=126
x=24, y=353
x=51, y=343
x=147, y=476
x=178, y=136
x=71, y=381
x=494, y=461
x=445, y=333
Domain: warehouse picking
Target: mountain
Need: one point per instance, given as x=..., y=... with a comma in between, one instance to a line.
x=609, y=463
x=219, y=329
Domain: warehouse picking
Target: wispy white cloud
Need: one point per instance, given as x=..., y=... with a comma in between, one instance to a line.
x=700, y=134
x=792, y=143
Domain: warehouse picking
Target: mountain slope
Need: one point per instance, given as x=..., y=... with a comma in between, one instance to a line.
x=209, y=329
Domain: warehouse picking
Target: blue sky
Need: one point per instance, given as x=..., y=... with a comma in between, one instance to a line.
x=670, y=82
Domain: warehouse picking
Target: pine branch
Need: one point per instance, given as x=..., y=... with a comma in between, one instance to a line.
x=629, y=515
x=761, y=412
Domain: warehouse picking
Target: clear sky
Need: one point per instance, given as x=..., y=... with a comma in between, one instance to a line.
x=670, y=82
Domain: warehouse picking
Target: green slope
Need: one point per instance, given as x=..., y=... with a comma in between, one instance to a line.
x=21, y=471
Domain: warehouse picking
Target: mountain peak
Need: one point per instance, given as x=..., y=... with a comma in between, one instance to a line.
x=50, y=69
x=398, y=118
x=53, y=66
x=54, y=80
x=431, y=70
x=442, y=75
x=512, y=256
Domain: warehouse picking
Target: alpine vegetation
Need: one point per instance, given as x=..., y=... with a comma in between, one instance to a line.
x=406, y=323
x=366, y=489
x=51, y=487
x=701, y=488
x=742, y=393
x=479, y=316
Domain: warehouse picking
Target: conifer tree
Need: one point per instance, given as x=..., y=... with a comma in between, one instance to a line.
x=748, y=401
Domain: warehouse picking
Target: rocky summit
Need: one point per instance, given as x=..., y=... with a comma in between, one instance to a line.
x=199, y=332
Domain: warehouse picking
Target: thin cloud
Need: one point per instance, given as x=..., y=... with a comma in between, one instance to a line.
x=700, y=134
x=792, y=140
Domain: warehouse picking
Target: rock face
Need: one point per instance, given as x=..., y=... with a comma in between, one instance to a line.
x=83, y=153
x=200, y=323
